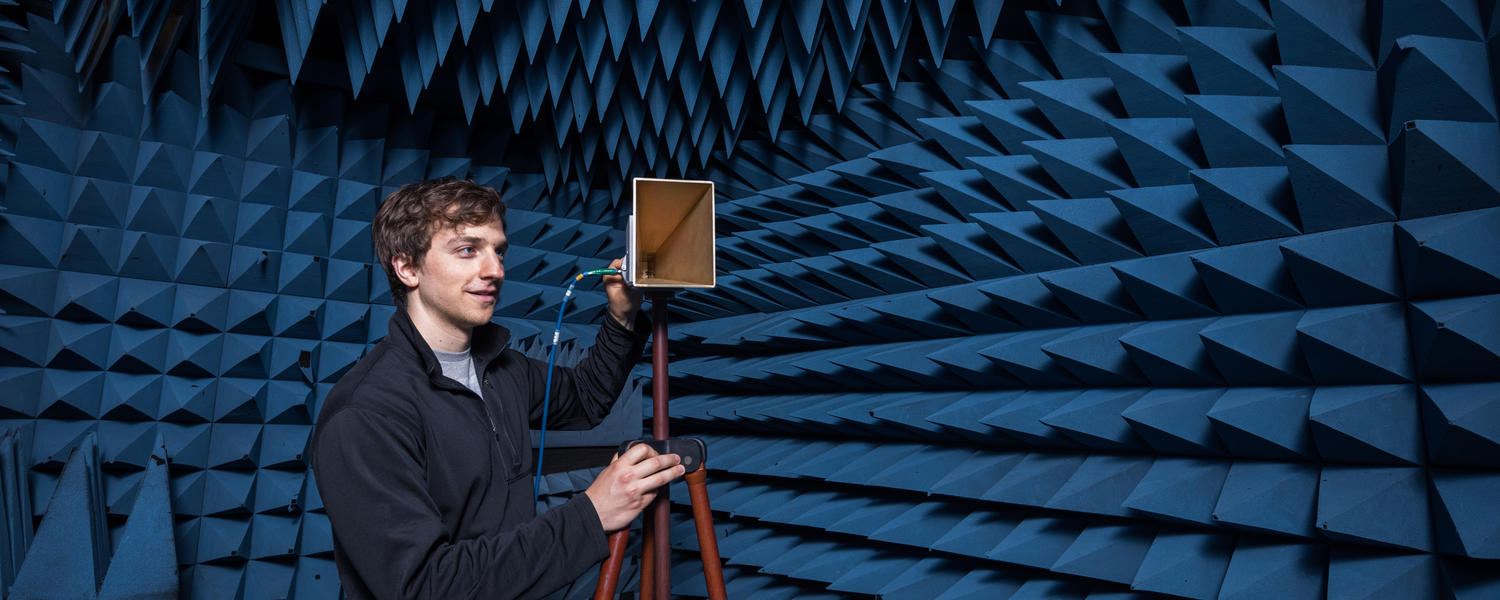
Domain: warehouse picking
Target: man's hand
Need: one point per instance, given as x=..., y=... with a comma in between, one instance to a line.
x=629, y=483
x=624, y=300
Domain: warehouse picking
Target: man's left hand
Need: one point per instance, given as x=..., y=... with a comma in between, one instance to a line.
x=624, y=300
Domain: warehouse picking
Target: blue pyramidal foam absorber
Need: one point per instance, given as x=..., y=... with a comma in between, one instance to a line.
x=1454, y=417
x=1437, y=168
x=1446, y=255
x=1184, y=564
x=1179, y=490
x=1280, y=568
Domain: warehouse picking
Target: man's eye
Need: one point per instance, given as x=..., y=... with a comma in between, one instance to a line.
x=466, y=250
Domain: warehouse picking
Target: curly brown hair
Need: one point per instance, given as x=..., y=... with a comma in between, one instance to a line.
x=408, y=218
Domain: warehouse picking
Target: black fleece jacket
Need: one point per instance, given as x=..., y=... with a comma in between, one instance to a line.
x=428, y=487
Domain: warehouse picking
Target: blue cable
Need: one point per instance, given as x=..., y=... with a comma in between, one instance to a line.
x=541, y=448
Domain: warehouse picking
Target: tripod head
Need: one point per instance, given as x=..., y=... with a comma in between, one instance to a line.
x=693, y=451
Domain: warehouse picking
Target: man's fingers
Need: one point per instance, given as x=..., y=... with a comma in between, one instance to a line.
x=619, y=279
x=661, y=478
x=657, y=463
x=636, y=454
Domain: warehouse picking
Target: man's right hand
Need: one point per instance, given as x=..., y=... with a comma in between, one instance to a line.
x=629, y=484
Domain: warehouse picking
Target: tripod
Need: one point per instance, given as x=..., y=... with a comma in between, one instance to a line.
x=656, y=551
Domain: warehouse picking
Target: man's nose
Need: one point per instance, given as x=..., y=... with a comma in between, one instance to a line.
x=494, y=267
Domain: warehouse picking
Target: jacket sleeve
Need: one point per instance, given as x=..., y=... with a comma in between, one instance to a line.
x=582, y=395
x=370, y=472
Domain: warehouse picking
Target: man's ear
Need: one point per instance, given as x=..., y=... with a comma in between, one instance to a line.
x=405, y=270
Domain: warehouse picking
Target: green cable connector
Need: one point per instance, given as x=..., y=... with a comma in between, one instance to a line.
x=605, y=271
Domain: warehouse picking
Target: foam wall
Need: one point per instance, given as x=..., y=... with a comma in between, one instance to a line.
x=1122, y=298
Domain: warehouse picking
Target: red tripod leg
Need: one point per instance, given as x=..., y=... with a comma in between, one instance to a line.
x=609, y=572
x=708, y=543
x=648, y=559
x=662, y=550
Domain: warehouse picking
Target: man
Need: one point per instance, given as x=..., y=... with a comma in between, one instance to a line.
x=421, y=451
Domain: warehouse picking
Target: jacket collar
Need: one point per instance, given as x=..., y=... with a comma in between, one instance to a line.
x=487, y=342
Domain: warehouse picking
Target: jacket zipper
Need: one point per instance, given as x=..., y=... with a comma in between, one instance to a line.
x=495, y=433
x=484, y=406
x=484, y=384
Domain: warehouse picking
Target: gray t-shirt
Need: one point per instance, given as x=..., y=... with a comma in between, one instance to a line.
x=459, y=366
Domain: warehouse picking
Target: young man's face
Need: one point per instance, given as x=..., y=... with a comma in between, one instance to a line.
x=459, y=280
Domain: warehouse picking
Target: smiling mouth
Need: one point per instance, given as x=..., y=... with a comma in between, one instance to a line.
x=488, y=296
